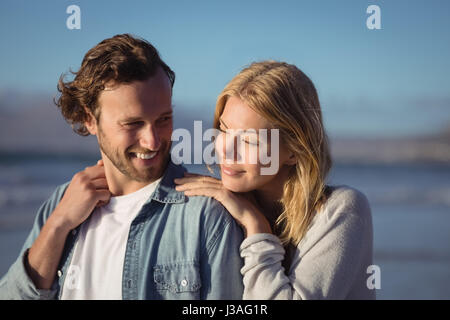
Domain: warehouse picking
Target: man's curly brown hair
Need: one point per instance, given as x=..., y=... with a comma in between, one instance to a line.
x=120, y=59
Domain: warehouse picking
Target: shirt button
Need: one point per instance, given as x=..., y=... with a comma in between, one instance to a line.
x=184, y=282
x=59, y=273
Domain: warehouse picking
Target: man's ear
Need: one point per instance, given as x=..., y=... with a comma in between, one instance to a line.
x=91, y=122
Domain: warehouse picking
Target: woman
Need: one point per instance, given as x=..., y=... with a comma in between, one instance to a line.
x=304, y=239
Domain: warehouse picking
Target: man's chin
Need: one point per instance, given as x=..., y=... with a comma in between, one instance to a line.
x=148, y=174
x=150, y=177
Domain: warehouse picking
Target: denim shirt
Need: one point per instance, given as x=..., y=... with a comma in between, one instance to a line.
x=177, y=248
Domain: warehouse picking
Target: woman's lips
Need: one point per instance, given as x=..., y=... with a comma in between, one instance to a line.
x=230, y=172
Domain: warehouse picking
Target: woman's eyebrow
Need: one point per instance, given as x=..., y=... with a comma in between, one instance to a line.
x=221, y=121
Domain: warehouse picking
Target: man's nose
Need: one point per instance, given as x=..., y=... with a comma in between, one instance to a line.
x=150, y=139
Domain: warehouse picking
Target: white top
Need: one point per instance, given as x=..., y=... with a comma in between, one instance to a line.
x=95, y=271
x=330, y=262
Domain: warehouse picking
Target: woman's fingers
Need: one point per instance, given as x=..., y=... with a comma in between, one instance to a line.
x=208, y=192
x=197, y=184
x=241, y=209
x=200, y=185
x=189, y=174
x=197, y=179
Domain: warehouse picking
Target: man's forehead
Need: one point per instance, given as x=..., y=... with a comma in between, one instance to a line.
x=130, y=100
x=154, y=86
x=157, y=78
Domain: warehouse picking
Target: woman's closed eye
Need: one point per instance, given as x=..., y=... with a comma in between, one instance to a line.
x=250, y=139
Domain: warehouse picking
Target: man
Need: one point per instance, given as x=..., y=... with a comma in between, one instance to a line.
x=119, y=229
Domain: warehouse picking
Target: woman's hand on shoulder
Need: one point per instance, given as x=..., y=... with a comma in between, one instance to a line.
x=238, y=205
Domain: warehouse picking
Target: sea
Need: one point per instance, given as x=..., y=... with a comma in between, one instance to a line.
x=410, y=208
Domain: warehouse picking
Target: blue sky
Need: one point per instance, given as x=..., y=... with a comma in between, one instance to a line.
x=392, y=81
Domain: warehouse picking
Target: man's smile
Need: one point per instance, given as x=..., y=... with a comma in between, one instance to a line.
x=144, y=155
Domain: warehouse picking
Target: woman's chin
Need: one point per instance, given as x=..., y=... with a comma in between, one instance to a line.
x=236, y=186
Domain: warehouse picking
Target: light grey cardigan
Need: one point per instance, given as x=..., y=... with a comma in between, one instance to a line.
x=330, y=262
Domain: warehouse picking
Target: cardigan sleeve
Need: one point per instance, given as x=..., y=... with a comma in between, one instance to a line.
x=335, y=253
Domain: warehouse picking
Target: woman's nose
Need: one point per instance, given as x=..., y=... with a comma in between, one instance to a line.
x=226, y=146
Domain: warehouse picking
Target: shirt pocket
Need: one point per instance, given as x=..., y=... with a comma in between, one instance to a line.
x=177, y=281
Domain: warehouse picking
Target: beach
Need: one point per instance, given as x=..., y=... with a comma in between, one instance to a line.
x=410, y=207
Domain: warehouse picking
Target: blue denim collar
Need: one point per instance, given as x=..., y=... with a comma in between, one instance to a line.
x=165, y=192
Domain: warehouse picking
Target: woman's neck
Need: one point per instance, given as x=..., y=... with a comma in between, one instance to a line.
x=269, y=196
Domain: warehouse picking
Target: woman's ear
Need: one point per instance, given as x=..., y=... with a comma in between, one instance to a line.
x=91, y=122
x=292, y=160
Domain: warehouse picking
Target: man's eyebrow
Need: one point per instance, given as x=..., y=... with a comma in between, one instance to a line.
x=133, y=119
x=166, y=113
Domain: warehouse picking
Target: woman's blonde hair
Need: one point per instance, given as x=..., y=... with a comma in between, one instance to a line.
x=286, y=97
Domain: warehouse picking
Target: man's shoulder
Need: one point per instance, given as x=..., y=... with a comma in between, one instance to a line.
x=213, y=221
x=209, y=209
x=50, y=204
x=59, y=191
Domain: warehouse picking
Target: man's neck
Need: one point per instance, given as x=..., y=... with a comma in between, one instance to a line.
x=121, y=187
x=119, y=184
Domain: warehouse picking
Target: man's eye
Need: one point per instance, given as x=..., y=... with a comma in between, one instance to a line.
x=133, y=124
x=164, y=119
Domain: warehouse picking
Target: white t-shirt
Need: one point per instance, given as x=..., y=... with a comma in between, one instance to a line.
x=95, y=271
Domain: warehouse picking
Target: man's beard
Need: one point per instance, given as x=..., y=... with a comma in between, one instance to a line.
x=122, y=160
